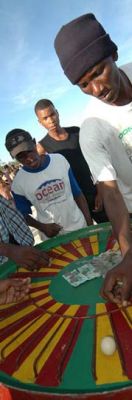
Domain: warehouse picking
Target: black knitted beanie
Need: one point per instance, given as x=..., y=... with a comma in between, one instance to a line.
x=81, y=44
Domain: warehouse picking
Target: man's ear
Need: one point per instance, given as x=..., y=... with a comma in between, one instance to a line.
x=115, y=56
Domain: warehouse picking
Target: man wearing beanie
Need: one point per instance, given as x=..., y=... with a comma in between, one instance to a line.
x=88, y=57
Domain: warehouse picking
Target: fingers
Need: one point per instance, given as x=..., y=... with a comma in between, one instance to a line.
x=126, y=292
x=52, y=229
x=20, y=286
x=4, y=284
x=57, y=225
x=117, y=290
x=43, y=256
x=19, y=282
x=13, y=290
x=108, y=285
x=56, y=228
x=33, y=258
x=109, y=289
x=41, y=259
x=10, y=295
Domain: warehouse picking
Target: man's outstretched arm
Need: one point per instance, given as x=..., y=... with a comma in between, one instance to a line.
x=119, y=218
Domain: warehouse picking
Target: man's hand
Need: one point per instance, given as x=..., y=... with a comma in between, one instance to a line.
x=83, y=205
x=28, y=257
x=98, y=203
x=50, y=230
x=117, y=285
x=12, y=290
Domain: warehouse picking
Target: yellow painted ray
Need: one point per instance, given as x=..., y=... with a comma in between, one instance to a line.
x=115, y=246
x=67, y=253
x=16, y=316
x=45, y=300
x=82, y=251
x=25, y=311
x=128, y=316
x=108, y=368
x=26, y=373
x=57, y=251
x=24, y=269
x=60, y=249
x=39, y=292
x=129, y=311
x=26, y=333
x=94, y=244
x=77, y=244
x=49, y=269
x=62, y=263
x=71, y=256
x=40, y=283
x=8, y=306
x=17, y=340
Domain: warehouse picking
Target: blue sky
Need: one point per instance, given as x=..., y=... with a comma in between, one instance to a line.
x=29, y=68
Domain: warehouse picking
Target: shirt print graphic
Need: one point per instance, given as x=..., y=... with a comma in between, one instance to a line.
x=126, y=138
x=50, y=191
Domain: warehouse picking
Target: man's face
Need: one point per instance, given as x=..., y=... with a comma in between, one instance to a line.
x=102, y=81
x=30, y=159
x=49, y=118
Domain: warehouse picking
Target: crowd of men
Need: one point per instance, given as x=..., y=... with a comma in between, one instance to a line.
x=74, y=176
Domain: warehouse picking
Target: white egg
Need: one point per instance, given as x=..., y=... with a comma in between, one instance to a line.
x=108, y=345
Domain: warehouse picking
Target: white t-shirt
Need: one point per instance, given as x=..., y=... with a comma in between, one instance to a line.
x=106, y=142
x=49, y=190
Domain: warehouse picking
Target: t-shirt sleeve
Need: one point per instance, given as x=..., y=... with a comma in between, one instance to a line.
x=94, y=142
x=74, y=185
x=22, y=204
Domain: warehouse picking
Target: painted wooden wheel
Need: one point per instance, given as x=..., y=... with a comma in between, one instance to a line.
x=50, y=342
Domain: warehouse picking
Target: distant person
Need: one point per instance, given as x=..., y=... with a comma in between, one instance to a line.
x=88, y=57
x=5, y=190
x=6, y=174
x=47, y=183
x=66, y=142
x=5, y=182
x=16, y=239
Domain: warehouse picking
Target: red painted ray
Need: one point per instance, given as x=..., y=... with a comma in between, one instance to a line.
x=53, y=369
x=56, y=266
x=36, y=274
x=111, y=242
x=87, y=246
x=123, y=334
x=39, y=288
x=15, y=359
x=19, y=306
x=60, y=256
x=13, y=327
x=71, y=249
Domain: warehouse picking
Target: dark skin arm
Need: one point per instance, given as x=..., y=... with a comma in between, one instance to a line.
x=98, y=200
x=50, y=230
x=119, y=218
x=83, y=205
x=26, y=256
x=40, y=149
